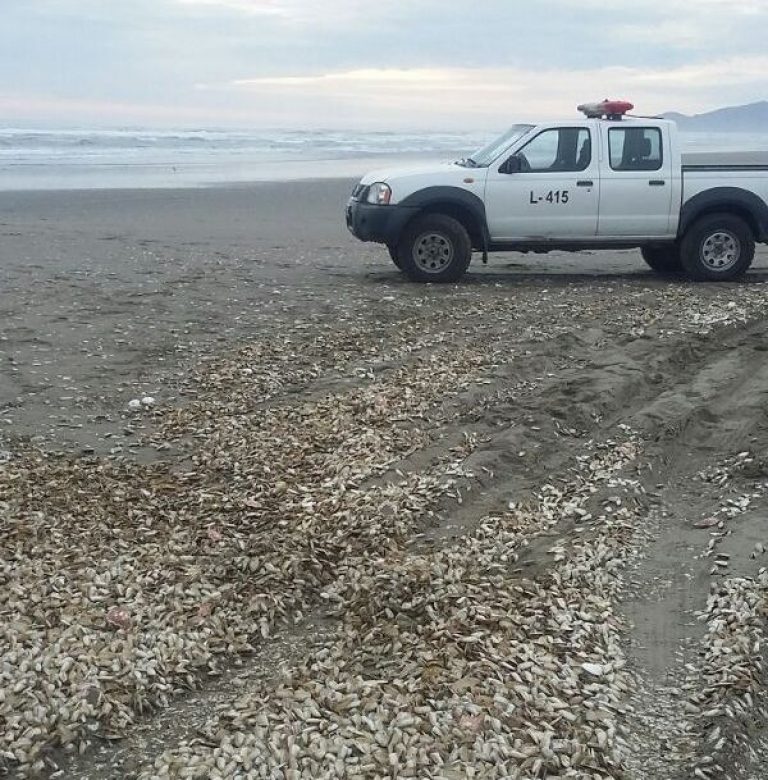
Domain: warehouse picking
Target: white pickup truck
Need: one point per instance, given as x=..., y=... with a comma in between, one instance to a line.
x=595, y=183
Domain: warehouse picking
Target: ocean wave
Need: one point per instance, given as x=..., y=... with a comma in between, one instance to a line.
x=80, y=145
x=229, y=155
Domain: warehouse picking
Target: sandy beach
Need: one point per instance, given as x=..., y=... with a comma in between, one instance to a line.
x=349, y=488
x=99, y=285
x=104, y=294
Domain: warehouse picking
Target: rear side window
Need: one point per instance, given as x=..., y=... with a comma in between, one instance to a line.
x=636, y=148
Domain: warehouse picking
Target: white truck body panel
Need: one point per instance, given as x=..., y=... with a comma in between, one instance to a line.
x=606, y=201
x=726, y=159
x=412, y=179
x=618, y=204
x=517, y=207
x=637, y=203
x=697, y=180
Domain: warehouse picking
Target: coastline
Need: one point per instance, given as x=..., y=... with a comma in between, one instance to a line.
x=224, y=172
x=75, y=160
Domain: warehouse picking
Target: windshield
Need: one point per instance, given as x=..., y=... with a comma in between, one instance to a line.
x=485, y=156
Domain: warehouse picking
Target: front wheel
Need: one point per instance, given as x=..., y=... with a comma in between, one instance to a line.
x=717, y=248
x=663, y=259
x=435, y=248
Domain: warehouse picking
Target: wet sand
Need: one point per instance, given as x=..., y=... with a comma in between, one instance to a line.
x=102, y=292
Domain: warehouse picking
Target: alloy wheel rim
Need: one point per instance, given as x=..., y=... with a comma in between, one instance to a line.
x=432, y=252
x=720, y=251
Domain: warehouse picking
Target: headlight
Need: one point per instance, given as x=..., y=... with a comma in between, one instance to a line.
x=379, y=194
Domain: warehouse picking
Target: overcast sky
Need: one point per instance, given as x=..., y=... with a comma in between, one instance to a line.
x=388, y=64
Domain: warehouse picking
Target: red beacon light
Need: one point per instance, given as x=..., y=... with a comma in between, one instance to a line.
x=610, y=109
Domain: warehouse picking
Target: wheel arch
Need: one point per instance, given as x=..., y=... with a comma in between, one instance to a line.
x=463, y=206
x=727, y=200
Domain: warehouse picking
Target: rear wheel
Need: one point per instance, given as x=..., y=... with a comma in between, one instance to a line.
x=435, y=248
x=663, y=259
x=717, y=248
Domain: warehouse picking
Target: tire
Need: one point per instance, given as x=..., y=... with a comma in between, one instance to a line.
x=435, y=248
x=393, y=254
x=717, y=248
x=663, y=259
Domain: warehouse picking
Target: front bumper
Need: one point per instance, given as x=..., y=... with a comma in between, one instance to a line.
x=380, y=224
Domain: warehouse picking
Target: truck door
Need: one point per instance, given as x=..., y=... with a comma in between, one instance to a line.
x=551, y=190
x=636, y=182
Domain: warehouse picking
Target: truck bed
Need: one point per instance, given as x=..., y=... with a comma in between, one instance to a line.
x=725, y=159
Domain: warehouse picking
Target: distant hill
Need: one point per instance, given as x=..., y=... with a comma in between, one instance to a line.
x=752, y=118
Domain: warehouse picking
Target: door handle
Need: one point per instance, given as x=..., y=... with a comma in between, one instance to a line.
x=585, y=183
x=656, y=183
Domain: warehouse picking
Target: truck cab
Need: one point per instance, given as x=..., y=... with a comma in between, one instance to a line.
x=581, y=180
x=599, y=182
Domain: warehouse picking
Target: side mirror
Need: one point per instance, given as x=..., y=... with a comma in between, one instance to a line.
x=512, y=165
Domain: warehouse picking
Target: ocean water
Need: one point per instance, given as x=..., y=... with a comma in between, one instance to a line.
x=137, y=157
x=74, y=158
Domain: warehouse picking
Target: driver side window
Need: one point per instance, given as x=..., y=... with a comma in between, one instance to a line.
x=564, y=149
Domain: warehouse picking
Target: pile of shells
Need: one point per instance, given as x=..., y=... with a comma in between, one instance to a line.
x=123, y=583
x=723, y=472
x=455, y=663
x=688, y=308
x=240, y=382
x=729, y=701
x=725, y=475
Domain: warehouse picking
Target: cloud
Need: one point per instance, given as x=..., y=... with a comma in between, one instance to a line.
x=256, y=7
x=461, y=97
x=671, y=33
x=679, y=24
x=709, y=77
x=691, y=8
x=42, y=108
x=421, y=78
x=324, y=13
x=352, y=63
